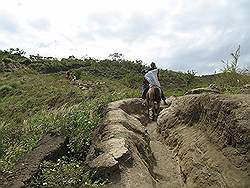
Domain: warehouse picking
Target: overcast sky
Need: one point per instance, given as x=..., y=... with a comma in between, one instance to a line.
x=176, y=34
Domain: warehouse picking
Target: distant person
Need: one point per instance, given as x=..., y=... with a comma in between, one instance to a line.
x=70, y=76
x=152, y=77
x=67, y=75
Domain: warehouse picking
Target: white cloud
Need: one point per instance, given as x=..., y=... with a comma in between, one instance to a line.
x=179, y=35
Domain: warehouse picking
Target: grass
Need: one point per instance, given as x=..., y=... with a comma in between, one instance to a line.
x=64, y=172
x=38, y=104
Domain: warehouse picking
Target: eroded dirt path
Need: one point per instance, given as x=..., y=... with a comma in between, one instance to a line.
x=203, y=142
x=126, y=150
x=166, y=170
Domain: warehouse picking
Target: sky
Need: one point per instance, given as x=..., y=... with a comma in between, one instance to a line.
x=179, y=35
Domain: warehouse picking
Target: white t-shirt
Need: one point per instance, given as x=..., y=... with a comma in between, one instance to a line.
x=152, y=78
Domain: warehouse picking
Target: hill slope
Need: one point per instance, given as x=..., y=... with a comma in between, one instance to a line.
x=37, y=100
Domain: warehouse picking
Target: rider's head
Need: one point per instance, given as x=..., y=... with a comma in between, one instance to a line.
x=153, y=65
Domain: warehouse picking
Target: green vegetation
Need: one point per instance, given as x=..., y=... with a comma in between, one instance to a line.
x=36, y=99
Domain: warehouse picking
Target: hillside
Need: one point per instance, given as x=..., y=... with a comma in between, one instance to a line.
x=130, y=73
x=37, y=100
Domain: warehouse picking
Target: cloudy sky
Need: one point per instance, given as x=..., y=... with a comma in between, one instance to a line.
x=176, y=34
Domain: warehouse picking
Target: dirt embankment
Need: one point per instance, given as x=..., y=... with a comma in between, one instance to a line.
x=127, y=152
x=120, y=146
x=201, y=140
x=209, y=135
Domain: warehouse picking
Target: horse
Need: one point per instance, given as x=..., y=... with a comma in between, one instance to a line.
x=153, y=100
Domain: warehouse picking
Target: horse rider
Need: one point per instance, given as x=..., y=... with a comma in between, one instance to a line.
x=152, y=77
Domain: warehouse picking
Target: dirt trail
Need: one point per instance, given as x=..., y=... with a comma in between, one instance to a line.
x=166, y=169
x=199, y=141
x=126, y=150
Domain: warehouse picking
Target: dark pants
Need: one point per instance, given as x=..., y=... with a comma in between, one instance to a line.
x=145, y=88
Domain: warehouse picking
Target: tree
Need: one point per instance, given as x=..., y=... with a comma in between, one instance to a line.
x=36, y=57
x=116, y=56
x=17, y=51
x=190, y=76
x=71, y=57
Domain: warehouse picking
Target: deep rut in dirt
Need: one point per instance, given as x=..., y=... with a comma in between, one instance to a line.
x=199, y=141
x=126, y=150
x=166, y=169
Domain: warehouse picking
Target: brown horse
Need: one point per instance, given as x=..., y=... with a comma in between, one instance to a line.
x=153, y=98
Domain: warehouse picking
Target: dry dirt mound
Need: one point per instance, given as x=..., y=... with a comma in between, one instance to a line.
x=209, y=135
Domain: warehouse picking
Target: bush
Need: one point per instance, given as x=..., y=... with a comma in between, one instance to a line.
x=232, y=78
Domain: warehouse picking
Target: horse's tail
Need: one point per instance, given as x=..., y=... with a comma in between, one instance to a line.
x=157, y=96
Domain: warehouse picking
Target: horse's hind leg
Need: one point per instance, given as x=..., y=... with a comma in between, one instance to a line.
x=147, y=103
x=154, y=114
x=158, y=109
